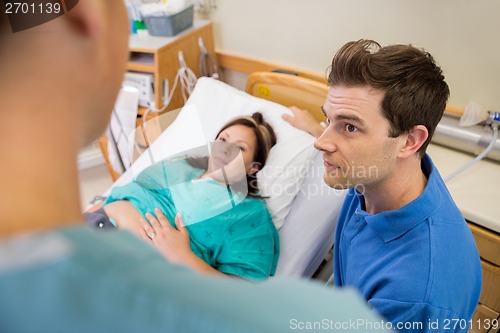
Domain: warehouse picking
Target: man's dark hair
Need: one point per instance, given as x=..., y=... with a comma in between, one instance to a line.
x=415, y=92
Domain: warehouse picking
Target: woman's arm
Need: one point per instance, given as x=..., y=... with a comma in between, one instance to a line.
x=173, y=243
x=125, y=215
x=303, y=120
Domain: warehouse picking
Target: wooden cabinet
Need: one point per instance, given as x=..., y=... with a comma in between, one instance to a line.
x=159, y=56
x=486, y=318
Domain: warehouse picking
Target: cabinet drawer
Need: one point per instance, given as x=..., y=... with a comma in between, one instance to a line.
x=488, y=243
x=490, y=295
x=485, y=320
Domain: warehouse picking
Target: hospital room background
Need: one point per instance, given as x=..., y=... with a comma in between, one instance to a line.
x=302, y=36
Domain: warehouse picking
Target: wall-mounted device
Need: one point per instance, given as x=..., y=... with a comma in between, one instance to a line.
x=144, y=84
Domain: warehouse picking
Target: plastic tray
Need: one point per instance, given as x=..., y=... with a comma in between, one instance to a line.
x=170, y=25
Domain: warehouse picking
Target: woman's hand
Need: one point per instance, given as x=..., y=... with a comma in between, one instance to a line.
x=172, y=243
x=303, y=120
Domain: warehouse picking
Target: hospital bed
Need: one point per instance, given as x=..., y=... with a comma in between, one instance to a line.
x=303, y=208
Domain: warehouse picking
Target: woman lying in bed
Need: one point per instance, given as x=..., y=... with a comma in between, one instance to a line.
x=227, y=230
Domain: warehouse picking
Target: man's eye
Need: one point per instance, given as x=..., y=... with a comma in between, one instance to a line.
x=350, y=128
x=328, y=121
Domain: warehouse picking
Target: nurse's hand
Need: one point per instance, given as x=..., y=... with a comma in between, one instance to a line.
x=303, y=120
x=172, y=243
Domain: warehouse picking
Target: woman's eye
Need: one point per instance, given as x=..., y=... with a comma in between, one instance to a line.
x=350, y=128
x=222, y=139
x=237, y=149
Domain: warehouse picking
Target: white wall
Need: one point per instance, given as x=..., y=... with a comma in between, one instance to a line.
x=463, y=35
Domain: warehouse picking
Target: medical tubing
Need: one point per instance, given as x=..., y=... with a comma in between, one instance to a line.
x=485, y=152
x=188, y=80
x=208, y=66
x=115, y=140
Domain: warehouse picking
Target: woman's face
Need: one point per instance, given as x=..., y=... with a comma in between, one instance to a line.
x=234, y=149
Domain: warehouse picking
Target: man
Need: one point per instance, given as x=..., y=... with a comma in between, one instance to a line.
x=400, y=240
x=58, y=85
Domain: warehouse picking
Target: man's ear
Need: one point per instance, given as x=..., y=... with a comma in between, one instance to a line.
x=415, y=138
x=254, y=167
x=87, y=18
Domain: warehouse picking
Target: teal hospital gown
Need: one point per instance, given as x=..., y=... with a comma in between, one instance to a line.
x=230, y=231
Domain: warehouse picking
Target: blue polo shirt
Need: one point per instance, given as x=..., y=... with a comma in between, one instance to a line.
x=418, y=266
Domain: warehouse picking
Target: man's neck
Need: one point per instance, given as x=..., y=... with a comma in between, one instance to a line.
x=400, y=189
x=38, y=174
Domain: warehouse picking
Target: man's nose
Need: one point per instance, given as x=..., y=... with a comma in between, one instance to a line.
x=326, y=141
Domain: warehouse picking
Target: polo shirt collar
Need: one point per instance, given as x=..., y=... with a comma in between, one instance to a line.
x=395, y=223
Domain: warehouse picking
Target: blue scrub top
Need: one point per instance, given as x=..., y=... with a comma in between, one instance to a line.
x=78, y=280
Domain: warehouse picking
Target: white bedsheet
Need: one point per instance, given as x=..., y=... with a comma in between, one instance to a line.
x=308, y=232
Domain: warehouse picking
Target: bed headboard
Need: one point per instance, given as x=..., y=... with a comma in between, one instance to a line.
x=289, y=90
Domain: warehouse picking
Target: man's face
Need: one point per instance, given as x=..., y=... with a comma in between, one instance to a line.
x=357, y=150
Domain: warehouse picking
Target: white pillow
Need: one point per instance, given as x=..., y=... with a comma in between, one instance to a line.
x=211, y=104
